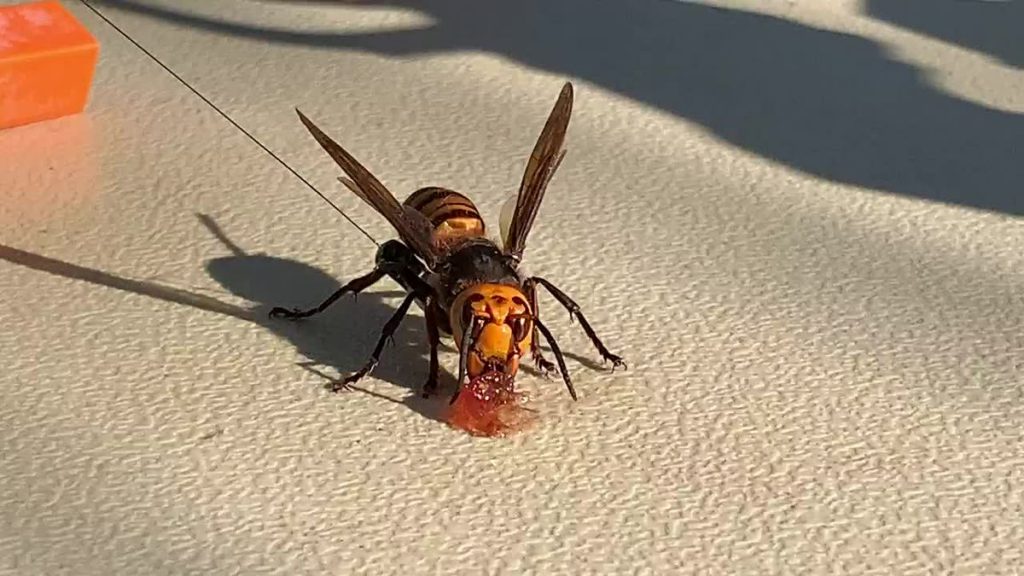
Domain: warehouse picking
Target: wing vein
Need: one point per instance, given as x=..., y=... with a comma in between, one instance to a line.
x=411, y=226
x=544, y=160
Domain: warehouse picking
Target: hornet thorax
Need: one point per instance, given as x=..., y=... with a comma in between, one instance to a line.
x=473, y=262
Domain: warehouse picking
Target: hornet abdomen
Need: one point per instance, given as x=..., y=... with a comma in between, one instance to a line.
x=453, y=215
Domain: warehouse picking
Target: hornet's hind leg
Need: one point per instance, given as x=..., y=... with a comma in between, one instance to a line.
x=574, y=312
x=386, y=334
x=393, y=259
x=396, y=260
x=355, y=286
x=422, y=292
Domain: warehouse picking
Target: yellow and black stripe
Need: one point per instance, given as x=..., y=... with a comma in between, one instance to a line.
x=452, y=215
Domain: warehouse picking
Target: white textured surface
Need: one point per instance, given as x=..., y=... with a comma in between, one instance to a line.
x=826, y=369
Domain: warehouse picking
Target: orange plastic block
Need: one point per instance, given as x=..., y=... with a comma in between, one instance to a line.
x=47, y=59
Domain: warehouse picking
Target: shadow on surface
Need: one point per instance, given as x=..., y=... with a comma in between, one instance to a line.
x=341, y=345
x=340, y=339
x=989, y=27
x=829, y=104
x=343, y=336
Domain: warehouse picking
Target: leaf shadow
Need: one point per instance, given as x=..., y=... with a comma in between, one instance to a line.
x=832, y=105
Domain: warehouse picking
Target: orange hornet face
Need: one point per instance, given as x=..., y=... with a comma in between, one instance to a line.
x=492, y=324
x=497, y=319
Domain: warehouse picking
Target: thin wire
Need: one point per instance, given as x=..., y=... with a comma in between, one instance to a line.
x=228, y=118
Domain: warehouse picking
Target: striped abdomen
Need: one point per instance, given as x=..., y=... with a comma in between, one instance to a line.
x=452, y=215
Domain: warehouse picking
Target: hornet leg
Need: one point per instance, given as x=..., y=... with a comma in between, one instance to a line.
x=386, y=334
x=467, y=343
x=543, y=364
x=433, y=338
x=574, y=312
x=558, y=356
x=355, y=286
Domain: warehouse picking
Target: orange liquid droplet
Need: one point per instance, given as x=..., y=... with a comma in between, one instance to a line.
x=489, y=406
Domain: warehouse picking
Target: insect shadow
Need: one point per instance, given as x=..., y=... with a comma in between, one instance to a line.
x=335, y=343
x=341, y=337
x=338, y=341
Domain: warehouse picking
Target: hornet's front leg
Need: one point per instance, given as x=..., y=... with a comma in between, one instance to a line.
x=433, y=339
x=574, y=312
x=558, y=356
x=543, y=364
x=464, y=347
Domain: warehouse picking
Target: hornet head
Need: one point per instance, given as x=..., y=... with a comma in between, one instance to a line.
x=497, y=320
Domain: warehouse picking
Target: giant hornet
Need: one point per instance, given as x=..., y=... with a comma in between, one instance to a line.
x=468, y=287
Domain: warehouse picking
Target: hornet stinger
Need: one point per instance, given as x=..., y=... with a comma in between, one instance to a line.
x=468, y=286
